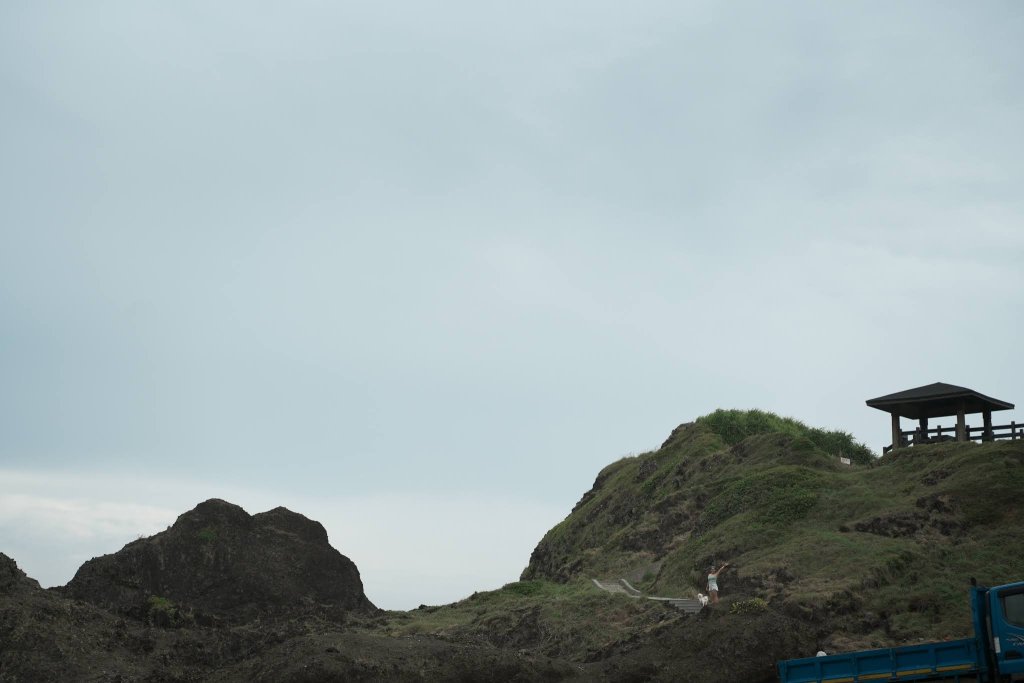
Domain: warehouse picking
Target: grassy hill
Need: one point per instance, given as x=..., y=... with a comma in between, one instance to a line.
x=874, y=553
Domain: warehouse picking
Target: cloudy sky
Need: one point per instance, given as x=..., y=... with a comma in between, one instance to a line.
x=420, y=270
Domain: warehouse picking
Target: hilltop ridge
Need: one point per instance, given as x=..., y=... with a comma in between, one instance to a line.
x=750, y=464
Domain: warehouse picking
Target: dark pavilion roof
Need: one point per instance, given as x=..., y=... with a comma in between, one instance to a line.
x=936, y=400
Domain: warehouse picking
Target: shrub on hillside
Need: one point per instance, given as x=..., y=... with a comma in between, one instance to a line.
x=736, y=425
x=524, y=588
x=752, y=606
x=164, y=613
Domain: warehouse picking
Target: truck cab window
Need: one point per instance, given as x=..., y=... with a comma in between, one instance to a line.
x=1013, y=608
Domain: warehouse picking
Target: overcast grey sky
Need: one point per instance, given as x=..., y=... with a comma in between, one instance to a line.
x=420, y=270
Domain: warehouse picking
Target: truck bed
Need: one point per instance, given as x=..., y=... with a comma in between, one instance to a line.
x=926, y=662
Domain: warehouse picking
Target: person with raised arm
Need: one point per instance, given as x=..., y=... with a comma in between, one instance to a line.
x=713, y=581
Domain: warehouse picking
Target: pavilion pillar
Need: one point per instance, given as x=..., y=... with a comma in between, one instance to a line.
x=987, y=434
x=961, y=425
x=923, y=427
x=896, y=436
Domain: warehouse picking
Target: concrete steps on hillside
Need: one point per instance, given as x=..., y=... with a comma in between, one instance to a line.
x=623, y=587
x=688, y=605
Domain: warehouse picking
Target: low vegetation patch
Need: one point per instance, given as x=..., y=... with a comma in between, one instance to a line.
x=780, y=496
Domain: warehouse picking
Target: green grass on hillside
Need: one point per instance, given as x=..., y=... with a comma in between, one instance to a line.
x=781, y=495
x=736, y=425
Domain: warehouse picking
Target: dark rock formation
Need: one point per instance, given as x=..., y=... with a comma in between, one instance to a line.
x=194, y=591
x=12, y=579
x=45, y=636
x=222, y=562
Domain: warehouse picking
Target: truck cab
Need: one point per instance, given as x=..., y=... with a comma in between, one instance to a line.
x=1005, y=626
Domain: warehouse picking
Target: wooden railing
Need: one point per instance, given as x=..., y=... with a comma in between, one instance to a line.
x=939, y=433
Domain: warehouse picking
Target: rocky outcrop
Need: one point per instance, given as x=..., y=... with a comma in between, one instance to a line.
x=180, y=606
x=217, y=561
x=13, y=580
x=45, y=636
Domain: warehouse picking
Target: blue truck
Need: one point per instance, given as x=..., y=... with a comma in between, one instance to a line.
x=995, y=654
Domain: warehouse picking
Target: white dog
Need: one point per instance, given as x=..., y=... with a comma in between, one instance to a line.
x=703, y=599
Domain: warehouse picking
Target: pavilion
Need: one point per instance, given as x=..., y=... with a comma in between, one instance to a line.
x=941, y=400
